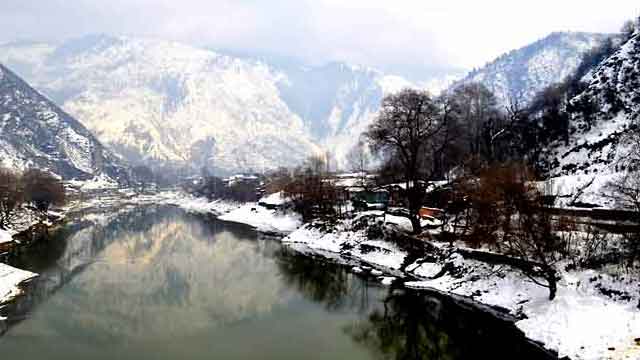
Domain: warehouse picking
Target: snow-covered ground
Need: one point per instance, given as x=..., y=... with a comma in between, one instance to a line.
x=581, y=322
x=197, y=204
x=349, y=244
x=275, y=199
x=99, y=182
x=252, y=214
x=263, y=219
x=583, y=188
x=10, y=280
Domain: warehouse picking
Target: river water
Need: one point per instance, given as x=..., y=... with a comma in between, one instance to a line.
x=159, y=283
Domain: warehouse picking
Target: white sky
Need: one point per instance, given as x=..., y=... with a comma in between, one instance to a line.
x=387, y=34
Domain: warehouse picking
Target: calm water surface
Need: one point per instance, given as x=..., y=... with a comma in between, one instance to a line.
x=158, y=283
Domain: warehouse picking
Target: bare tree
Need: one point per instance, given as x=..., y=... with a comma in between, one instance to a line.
x=628, y=29
x=408, y=129
x=478, y=114
x=358, y=159
x=313, y=194
x=625, y=190
x=316, y=164
x=11, y=196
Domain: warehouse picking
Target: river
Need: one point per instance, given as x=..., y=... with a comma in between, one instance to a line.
x=156, y=282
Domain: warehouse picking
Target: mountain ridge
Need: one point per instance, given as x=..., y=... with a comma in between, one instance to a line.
x=34, y=132
x=518, y=75
x=259, y=115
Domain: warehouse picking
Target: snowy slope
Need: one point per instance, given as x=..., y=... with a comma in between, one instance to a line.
x=159, y=101
x=520, y=74
x=163, y=101
x=36, y=133
x=597, y=142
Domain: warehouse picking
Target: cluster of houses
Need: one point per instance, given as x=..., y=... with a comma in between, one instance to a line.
x=363, y=192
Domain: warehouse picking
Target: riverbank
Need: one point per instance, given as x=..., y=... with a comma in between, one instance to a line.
x=11, y=280
x=594, y=315
x=270, y=221
x=30, y=227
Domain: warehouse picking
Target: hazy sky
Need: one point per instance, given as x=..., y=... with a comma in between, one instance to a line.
x=387, y=34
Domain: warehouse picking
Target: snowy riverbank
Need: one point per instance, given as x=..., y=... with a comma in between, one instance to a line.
x=594, y=315
x=10, y=281
x=252, y=214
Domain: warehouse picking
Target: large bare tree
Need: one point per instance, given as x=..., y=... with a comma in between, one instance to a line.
x=409, y=130
x=358, y=160
x=479, y=116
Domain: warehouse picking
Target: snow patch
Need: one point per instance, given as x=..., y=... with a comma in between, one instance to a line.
x=10, y=281
x=264, y=219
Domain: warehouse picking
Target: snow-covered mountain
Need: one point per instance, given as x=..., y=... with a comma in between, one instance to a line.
x=167, y=102
x=519, y=74
x=152, y=100
x=34, y=132
x=600, y=117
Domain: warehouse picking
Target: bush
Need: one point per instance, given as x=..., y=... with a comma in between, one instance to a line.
x=42, y=190
x=507, y=213
x=314, y=197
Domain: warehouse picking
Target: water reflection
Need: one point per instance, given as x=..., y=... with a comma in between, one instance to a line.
x=328, y=284
x=156, y=282
x=407, y=324
x=161, y=277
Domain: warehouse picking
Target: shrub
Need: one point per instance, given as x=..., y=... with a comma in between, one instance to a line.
x=42, y=190
x=507, y=213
